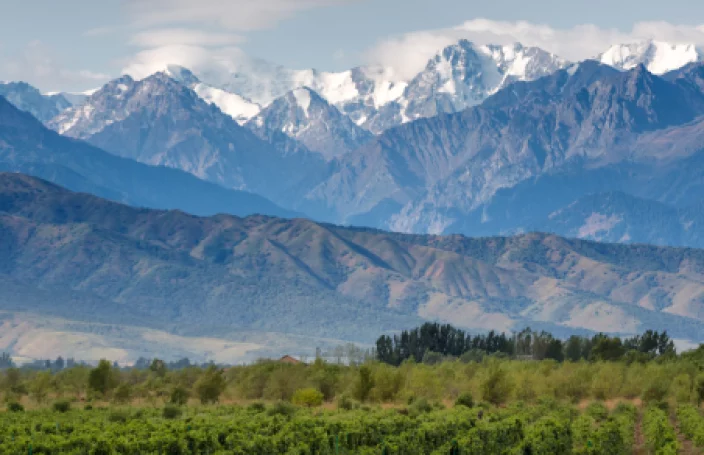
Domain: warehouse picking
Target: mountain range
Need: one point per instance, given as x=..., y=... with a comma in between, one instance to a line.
x=28, y=146
x=213, y=257
x=506, y=137
x=141, y=272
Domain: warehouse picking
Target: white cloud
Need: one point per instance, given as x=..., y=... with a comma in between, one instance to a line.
x=240, y=15
x=409, y=53
x=183, y=36
x=196, y=58
x=36, y=65
x=201, y=35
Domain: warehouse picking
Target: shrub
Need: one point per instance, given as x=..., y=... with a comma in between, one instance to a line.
x=123, y=393
x=420, y=406
x=210, y=385
x=257, y=407
x=62, y=406
x=171, y=411
x=118, y=416
x=282, y=408
x=497, y=385
x=307, y=397
x=466, y=399
x=15, y=407
x=597, y=411
x=345, y=403
x=179, y=396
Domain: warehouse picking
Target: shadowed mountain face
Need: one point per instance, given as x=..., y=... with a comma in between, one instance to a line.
x=27, y=146
x=444, y=173
x=29, y=99
x=220, y=275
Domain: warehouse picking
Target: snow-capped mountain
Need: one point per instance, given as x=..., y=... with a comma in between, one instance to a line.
x=657, y=56
x=465, y=74
x=459, y=76
x=29, y=99
x=161, y=121
x=236, y=106
x=99, y=110
x=306, y=117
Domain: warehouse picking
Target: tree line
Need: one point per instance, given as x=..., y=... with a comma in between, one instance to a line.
x=433, y=342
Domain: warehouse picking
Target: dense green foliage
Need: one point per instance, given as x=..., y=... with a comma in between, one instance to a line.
x=542, y=429
x=493, y=403
x=431, y=342
x=691, y=424
x=659, y=434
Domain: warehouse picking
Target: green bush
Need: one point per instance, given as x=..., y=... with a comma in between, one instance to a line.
x=179, y=396
x=465, y=400
x=659, y=434
x=282, y=408
x=62, y=406
x=420, y=406
x=119, y=416
x=257, y=407
x=597, y=411
x=171, y=411
x=345, y=402
x=15, y=407
x=307, y=397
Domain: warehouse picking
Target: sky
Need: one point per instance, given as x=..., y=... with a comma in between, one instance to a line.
x=74, y=45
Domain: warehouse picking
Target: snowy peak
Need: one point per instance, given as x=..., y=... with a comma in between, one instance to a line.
x=29, y=99
x=657, y=56
x=306, y=117
x=303, y=98
x=236, y=106
x=465, y=74
x=120, y=98
x=517, y=62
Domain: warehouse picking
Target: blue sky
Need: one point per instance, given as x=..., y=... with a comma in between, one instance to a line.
x=79, y=44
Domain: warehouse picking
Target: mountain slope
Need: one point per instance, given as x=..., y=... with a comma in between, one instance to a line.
x=29, y=99
x=219, y=275
x=160, y=121
x=29, y=147
x=442, y=169
x=307, y=118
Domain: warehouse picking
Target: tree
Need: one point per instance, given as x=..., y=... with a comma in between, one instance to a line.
x=179, y=396
x=555, y=350
x=123, y=393
x=158, y=367
x=573, y=348
x=607, y=348
x=210, y=385
x=308, y=397
x=365, y=383
x=39, y=387
x=102, y=378
x=59, y=363
x=497, y=385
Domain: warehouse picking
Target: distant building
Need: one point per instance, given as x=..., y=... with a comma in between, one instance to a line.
x=289, y=359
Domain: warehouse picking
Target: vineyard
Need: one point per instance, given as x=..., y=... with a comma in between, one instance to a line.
x=545, y=428
x=469, y=396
